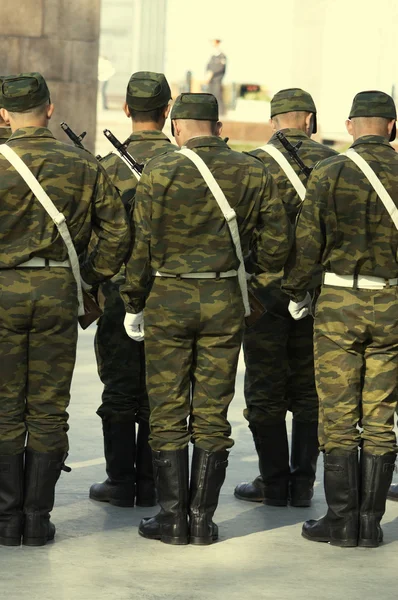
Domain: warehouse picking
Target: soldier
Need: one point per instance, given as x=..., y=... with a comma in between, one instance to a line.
x=351, y=231
x=184, y=272
x=215, y=72
x=38, y=300
x=278, y=350
x=120, y=360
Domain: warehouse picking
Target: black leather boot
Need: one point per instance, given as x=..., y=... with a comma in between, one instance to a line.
x=304, y=456
x=253, y=491
x=341, y=523
x=120, y=449
x=11, y=499
x=273, y=459
x=170, y=525
x=42, y=471
x=393, y=492
x=207, y=476
x=145, y=484
x=377, y=472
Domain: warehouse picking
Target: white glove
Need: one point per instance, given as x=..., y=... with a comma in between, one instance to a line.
x=134, y=326
x=299, y=310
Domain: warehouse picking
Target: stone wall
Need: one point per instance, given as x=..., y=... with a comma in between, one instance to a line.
x=58, y=38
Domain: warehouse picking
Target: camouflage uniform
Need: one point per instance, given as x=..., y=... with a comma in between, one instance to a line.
x=345, y=228
x=5, y=133
x=121, y=360
x=279, y=351
x=38, y=305
x=193, y=326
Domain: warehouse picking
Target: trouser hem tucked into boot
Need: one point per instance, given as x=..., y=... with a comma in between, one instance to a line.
x=377, y=472
x=42, y=471
x=11, y=499
x=170, y=525
x=207, y=477
x=340, y=525
x=120, y=452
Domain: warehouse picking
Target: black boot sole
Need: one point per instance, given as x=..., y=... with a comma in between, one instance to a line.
x=114, y=502
x=368, y=543
x=328, y=540
x=7, y=541
x=258, y=499
x=173, y=541
x=300, y=503
x=203, y=541
x=34, y=542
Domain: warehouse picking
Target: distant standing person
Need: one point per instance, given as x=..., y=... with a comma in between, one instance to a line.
x=105, y=72
x=216, y=68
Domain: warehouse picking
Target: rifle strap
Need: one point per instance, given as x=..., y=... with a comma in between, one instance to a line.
x=286, y=168
x=52, y=211
x=229, y=215
x=136, y=175
x=375, y=182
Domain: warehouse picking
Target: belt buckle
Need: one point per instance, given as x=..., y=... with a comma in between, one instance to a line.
x=355, y=282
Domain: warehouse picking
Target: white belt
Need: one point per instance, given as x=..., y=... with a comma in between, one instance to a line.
x=43, y=262
x=222, y=275
x=362, y=282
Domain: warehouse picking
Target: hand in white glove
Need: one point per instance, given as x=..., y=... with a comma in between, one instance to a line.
x=134, y=326
x=299, y=310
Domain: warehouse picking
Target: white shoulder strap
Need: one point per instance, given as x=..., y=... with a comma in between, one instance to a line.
x=375, y=183
x=138, y=177
x=53, y=212
x=229, y=215
x=286, y=168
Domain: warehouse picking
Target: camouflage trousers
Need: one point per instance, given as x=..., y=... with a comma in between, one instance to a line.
x=279, y=373
x=193, y=332
x=356, y=367
x=120, y=362
x=38, y=336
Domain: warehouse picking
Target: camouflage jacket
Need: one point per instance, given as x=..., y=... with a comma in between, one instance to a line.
x=343, y=225
x=179, y=228
x=310, y=152
x=5, y=133
x=142, y=145
x=79, y=188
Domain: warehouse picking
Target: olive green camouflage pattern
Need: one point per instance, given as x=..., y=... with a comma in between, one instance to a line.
x=356, y=362
x=278, y=351
x=345, y=228
x=193, y=332
x=23, y=91
x=201, y=107
x=374, y=104
x=121, y=360
x=193, y=327
x=173, y=207
x=147, y=91
x=292, y=100
x=79, y=188
x=5, y=133
x=38, y=315
x=38, y=307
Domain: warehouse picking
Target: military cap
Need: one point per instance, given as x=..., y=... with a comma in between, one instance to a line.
x=147, y=91
x=24, y=91
x=201, y=107
x=374, y=104
x=291, y=100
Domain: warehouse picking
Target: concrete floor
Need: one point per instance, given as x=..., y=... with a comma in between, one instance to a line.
x=98, y=553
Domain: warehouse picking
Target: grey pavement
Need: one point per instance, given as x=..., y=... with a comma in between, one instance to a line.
x=98, y=553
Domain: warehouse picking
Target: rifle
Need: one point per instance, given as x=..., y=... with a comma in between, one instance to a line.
x=293, y=151
x=76, y=139
x=135, y=166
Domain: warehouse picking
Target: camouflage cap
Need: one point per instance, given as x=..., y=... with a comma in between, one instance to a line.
x=147, y=91
x=374, y=104
x=24, y=91
x=292, y=100
x=201, y=107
